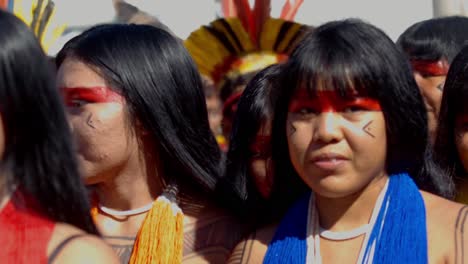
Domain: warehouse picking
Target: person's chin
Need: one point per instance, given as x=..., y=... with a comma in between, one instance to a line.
x=334, y=187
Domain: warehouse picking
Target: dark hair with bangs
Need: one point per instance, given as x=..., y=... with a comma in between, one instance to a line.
x=163, y=90
x=435, y=39
x=38, y=157
x=454, y=104
x=352, y=55
x=255, y=107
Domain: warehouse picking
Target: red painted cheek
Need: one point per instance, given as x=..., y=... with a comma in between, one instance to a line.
x=90, y=95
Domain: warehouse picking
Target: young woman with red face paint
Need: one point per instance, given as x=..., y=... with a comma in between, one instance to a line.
x=451, y=146
x=431, y=46
x=353, y=170
x=44, y=208
x=249, y=168
x=137, y=110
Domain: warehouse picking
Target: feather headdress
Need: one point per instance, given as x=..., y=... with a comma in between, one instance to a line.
x=246, y=40
x=40, y=16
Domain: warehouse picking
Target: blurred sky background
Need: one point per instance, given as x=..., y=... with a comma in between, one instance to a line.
x=184, y=16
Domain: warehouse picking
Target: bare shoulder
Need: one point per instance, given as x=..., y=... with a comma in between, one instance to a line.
x=442, y=213
x=252, y=250
x=71, y=245
x=446, y=221
x=436, y=205
x=211, y=236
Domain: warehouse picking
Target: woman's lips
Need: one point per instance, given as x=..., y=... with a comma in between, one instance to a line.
x=329, y=161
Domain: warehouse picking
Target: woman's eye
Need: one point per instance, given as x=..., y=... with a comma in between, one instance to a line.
x=353, y=109
x=77, y=103
x=306, y=111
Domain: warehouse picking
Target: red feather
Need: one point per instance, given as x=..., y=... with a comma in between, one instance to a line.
x=4, y=4
x=254, y=19
x=244, y=12
x=228, y=8
x=289, y=10
x=261, y=13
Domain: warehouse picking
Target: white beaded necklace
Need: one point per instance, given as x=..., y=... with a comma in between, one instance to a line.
x=314, y=231
x=344, y=235
x=131, y=212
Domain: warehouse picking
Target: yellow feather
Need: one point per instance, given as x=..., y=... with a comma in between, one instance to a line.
x=270, y=33
x=210, y=51
x=288, y=41
x=53, y=30
x=242, y=35
x=24, y=9
x=206, y=50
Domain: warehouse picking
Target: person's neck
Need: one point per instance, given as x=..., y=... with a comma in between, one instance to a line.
x=5, y=193
x=3, y=197
x=350, y=212
x=135, y=185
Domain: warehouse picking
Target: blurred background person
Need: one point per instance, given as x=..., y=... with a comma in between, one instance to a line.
x=231, y=50
x=430, y=46
x=451, y=145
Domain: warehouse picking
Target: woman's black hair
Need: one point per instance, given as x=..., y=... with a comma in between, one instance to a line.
x=163, y=92
x=349, y=56
x=38, y=156
x=435, y=39
x=256, y=106
x=454, y=104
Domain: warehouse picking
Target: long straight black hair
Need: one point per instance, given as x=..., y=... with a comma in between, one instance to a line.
x=255, y=107
x=454, y=103
x=352, y=55
x=163, y=92
x=435, y=39
x=38, y=156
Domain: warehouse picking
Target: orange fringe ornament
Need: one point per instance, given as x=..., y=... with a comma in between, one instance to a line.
x=160, y=238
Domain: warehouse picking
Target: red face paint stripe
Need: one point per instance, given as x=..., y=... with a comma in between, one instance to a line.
x=230, y=105
x=90, y=94
x=366, y=103
x=330, y=101
x=430, y=68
